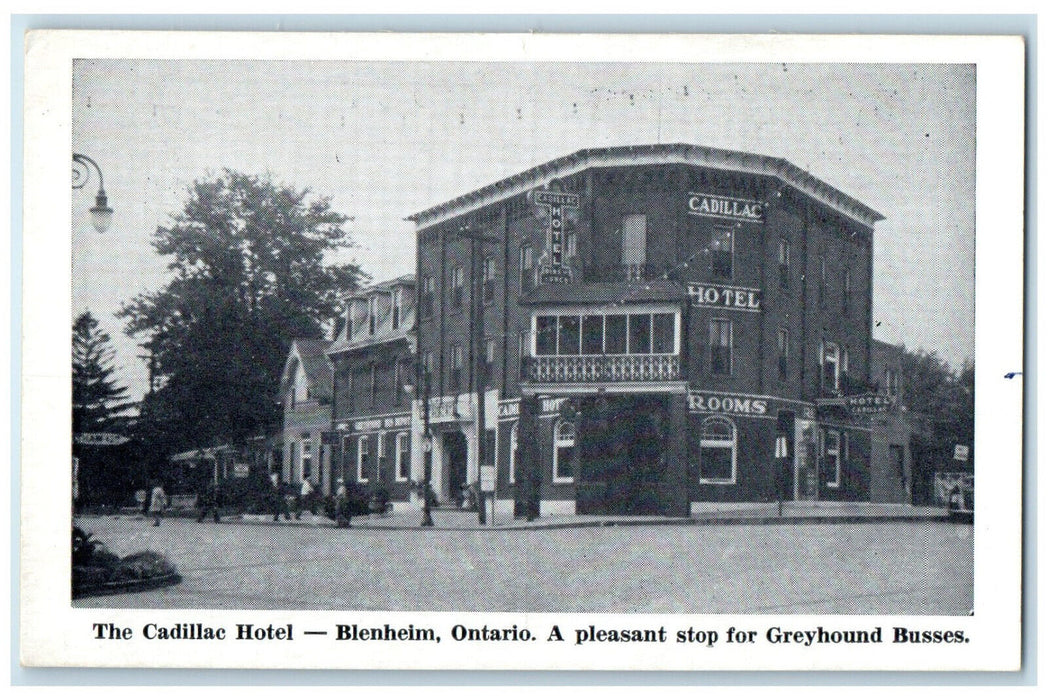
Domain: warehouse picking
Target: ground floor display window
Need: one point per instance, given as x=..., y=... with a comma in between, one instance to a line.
x=717, y=451
x=563, y=451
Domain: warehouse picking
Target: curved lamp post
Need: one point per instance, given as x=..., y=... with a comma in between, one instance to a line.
x=101, y=213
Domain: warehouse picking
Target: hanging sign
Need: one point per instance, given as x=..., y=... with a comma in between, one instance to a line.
x=717, y=206
x=865, y=404
x=555, y=270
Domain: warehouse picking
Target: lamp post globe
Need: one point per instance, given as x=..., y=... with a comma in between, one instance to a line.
x=101, y=213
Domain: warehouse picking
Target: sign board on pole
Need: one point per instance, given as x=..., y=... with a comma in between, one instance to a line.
x=487, y=478
x=960, y=453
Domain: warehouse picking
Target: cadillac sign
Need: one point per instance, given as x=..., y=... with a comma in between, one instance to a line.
x=716, y=206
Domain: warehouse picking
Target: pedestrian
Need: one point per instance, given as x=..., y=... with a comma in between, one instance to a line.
x=157, y=503
x=305, y=499
x=279, y=502
x=342, y=512
x=210, y=501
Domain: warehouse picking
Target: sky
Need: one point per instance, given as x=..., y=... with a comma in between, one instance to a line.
x=385, y=140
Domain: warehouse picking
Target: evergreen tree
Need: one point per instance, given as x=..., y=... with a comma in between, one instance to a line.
x=249, y=275
x=99, y=404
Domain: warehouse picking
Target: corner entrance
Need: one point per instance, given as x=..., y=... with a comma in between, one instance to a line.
x=624, y=446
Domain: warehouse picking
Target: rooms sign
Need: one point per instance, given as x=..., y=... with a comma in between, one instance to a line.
x=719, y=207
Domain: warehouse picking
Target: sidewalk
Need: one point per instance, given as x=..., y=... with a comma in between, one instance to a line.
x=705, y=514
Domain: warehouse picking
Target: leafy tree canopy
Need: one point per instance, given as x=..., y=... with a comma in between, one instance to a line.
x=249, y=275
x=941, y=396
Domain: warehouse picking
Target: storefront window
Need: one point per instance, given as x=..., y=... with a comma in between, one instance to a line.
x=831, y=456
x=362, y=458
x=403, y=457
x=563, y=451
x=717, y=458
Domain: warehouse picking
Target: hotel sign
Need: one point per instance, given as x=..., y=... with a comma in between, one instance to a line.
x=860, y=404
x=719, y=296
x=738, y=404
x=555, y=270
x=716, y=206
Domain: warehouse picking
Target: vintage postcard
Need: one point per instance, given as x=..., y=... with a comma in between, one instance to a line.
x=522, y=352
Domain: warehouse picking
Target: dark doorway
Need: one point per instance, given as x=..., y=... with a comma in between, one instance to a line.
x=624, y=446
x=455, y=453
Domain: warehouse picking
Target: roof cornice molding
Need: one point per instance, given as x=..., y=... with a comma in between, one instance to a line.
x=662, y=154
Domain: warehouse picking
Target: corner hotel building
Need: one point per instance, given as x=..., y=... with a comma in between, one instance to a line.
x=662, y=326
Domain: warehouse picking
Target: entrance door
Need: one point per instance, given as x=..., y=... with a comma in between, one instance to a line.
x=898, y=460
x=623, y=459
x=807, y=469
x=455, y=454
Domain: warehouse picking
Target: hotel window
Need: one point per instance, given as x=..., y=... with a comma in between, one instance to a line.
x=489, y=357
x=362, y=458
x=351, y=397
x=831, y=457
x=831, y=366
x=563, y=451
x=639, y=334
x=634, y=245
x=403, y=457
x=307, y=458
x=457, y=282
x=784, y=263
x=546, y=335
x=527, y=272
x=523, y=344
x=592, y=335
x=397, y=381
x=846, y=290
x=427, y=297
x=722, y=252
x=784, y=353
x=717, y=451
x=615, y=334
x=489, y=280
x=456, y=367
x=663, y=334
x=513, y=454
x=720, y=346
x=397, y=300
x=571, y=245
x=349, y=320
x=891, y=382
x=569, y=335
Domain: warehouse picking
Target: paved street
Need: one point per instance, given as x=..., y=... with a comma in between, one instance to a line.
x=798, y=568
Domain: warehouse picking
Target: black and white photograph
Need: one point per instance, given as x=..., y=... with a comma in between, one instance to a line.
x=594, y=359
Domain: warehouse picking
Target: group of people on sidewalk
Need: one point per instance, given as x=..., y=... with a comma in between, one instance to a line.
x=210, y=501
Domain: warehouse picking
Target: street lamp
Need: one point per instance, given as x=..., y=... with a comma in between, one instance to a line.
x=101, y=213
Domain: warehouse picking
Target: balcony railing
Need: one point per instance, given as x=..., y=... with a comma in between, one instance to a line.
x=602, y=368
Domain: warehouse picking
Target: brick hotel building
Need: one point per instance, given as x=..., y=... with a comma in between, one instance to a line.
x=649, y=328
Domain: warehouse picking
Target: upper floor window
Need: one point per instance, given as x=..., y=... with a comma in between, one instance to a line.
x=301, y=391
x=891, y=382
x=397, y=381
x=349, y=320
x=456, y=367
x=489, y=356
x=426, y=309
x=307, y=459
x=722, y=253
x=634, y=244
x=457, y=284
x=397, y=303
x=527, y=268
x=571, y=245
x=489, y=279
x=720, y=346
x=784, y=353
x=427, y=365
x=830, y=359
x=372, y=314
x=374, y=384
x=606, y=334
x=563, y=451
x=784, y=263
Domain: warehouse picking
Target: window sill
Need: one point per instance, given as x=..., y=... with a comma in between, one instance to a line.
x=717, y=482
x=563, y=480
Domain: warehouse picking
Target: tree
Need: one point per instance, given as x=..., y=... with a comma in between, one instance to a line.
x=98, y=403
x=249, y=275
